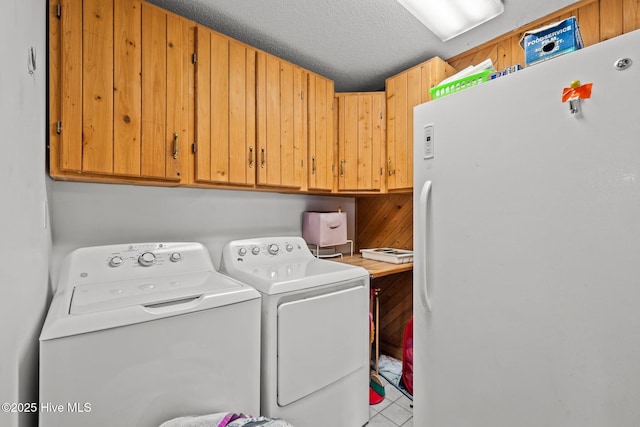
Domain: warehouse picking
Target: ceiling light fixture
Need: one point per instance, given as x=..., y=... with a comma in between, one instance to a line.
x=448, y=18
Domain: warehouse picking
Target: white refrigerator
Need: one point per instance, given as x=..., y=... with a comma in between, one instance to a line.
x=527, y=248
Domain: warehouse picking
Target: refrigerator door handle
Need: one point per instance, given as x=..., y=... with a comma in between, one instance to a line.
x=423, y=238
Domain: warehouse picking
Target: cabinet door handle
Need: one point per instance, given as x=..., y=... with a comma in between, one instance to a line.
x=251, y=156
x=391, y=171
x=342, y=162
x=175, y=145
x=263, y=155
x=313, y=164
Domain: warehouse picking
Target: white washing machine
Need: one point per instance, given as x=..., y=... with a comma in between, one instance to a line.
x=315, y=331
x=138, y=334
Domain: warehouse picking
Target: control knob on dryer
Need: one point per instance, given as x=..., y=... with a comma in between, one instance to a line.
x=273, y=249
x=116, y=261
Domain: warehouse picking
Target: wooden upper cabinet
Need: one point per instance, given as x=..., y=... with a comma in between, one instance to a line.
x=119, y=91
x=321, y=154
x=281, y=122
x=405, y=91
x=361, y=140
x=225, y=110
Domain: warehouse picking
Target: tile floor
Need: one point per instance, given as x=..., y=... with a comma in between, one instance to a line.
x=395, y=410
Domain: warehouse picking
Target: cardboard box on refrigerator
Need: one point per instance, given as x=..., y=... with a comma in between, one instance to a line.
x=551, y=40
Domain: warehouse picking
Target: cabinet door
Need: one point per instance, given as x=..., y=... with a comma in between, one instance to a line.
x=281, y=122
x=123, y=90
x=225, y=110
x=321, y=133
x=405, y=91
x=361, y=139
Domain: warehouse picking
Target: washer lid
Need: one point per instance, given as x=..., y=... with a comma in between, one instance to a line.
x=96, y=297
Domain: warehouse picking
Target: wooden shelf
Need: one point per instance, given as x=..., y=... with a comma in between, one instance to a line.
x=375, y=268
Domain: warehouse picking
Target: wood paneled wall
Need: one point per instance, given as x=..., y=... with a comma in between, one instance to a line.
x=384, y=221
x=599, y=20
x=396, y=308
x=387, y=221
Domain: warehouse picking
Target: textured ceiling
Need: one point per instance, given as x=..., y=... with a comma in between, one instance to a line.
x=356, y=43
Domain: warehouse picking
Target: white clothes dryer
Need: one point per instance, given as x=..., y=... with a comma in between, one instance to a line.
x=315, y=331
x=138, y=334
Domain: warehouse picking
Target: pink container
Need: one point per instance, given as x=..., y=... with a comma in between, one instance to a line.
x=324, y=228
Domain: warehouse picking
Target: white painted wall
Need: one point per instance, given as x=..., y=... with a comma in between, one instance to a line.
x=100, y=214
x=26, y=242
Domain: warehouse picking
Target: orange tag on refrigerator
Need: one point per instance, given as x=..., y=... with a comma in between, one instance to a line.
x=583, y=92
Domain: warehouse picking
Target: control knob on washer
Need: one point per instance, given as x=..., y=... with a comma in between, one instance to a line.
x=255, y=250
x=242, y=251
x=175, y=257
x=116, y=261
x=273, y=249
x=146, y=259
x=289, y=247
